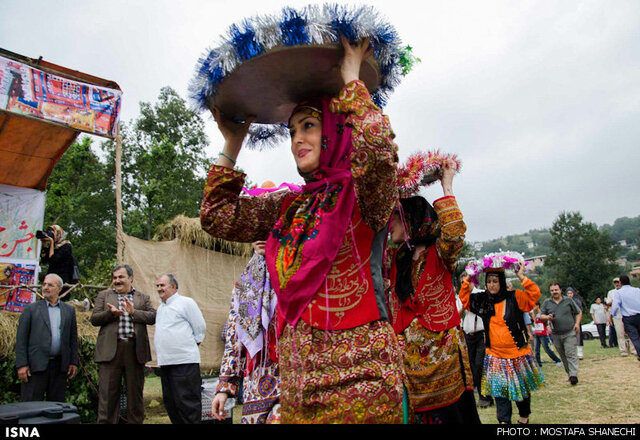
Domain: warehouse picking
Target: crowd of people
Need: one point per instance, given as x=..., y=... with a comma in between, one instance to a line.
x=329, y=322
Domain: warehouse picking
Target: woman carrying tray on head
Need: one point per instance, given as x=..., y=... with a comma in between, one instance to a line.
x=422, y=306
x=510, y=372
x=338, y=356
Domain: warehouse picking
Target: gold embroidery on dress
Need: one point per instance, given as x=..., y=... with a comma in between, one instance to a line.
x=345, y=287
x=436, y=297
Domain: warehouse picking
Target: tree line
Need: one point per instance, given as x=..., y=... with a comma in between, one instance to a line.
x=164, y=167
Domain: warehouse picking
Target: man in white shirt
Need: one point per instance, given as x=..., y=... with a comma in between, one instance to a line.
x=599, y=316
x=624, y=344
x=180, y=328
x=627, y=302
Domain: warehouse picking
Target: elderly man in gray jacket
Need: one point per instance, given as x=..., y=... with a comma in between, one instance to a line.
x=47, y=345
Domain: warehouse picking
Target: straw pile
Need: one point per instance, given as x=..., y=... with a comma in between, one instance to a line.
x=189, y=231
x=9, y=327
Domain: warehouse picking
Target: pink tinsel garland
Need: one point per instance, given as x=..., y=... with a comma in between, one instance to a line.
x=411, y=175
x=505, y=260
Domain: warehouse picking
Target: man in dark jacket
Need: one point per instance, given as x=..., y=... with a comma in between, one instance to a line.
x=122, y=348
x=47, y=345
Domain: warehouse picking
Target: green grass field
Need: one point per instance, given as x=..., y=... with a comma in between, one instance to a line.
x=606, y=393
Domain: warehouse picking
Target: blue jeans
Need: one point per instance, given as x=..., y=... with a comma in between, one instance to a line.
x=544, y=339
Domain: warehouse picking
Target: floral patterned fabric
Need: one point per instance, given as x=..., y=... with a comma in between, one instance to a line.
x=436, y=360
x=347, y=376
x=434, y=299
x=261, y=389
x=254, y=303
x=362, y=365
x=225, y=214
x=374, y=159
x=452, y=229
x=436, y=365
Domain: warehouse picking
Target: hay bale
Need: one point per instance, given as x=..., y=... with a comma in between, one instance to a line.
x=189, y=231
x=9, y=328
x=85, y=328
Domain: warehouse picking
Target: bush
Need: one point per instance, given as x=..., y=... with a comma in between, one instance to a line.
x=9, y=382
x=82, y=390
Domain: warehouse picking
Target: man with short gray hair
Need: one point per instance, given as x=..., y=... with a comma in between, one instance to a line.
x=47, y=345
x=180, y=328
x=627, y=301
x=624, y=344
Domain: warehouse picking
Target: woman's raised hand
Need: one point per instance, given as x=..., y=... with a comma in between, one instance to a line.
x=448, y=171
x=233, y=134
x=354, y=55
x=520, y=271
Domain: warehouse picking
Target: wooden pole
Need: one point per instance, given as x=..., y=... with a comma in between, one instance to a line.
x=119, y=232
x=33, y=287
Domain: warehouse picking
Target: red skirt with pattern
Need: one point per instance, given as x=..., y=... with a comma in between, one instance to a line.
x=343, y=376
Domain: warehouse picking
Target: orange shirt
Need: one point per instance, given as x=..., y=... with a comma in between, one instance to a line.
x=502, y=344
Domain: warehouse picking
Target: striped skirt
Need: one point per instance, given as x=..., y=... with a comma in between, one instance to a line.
x=512, y=379
x=344, y=376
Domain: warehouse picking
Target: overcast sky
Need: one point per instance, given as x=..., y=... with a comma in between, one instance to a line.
x=539, y=99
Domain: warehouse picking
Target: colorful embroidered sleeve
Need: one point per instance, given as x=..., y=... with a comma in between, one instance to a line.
x=232, y=366
x=226, y=215
x=452, y=229
x=527, y=299
x=374, y=159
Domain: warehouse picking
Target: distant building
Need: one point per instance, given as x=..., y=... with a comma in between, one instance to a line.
x=534, y=262
x=635, y=273
x=530, y=245
x=622, y=242
x=477, y=246
x=622, y=261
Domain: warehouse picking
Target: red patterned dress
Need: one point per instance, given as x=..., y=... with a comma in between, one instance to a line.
x=436, y=360
x=340, y=362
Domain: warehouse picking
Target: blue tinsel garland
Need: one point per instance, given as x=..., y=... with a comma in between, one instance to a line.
x=311, y=25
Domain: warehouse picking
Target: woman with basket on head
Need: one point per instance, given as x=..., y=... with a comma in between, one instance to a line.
x=510, y=371
x=338, y=357
x=422, y=301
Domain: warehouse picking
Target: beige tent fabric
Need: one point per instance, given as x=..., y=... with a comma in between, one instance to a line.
x=206, y=276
